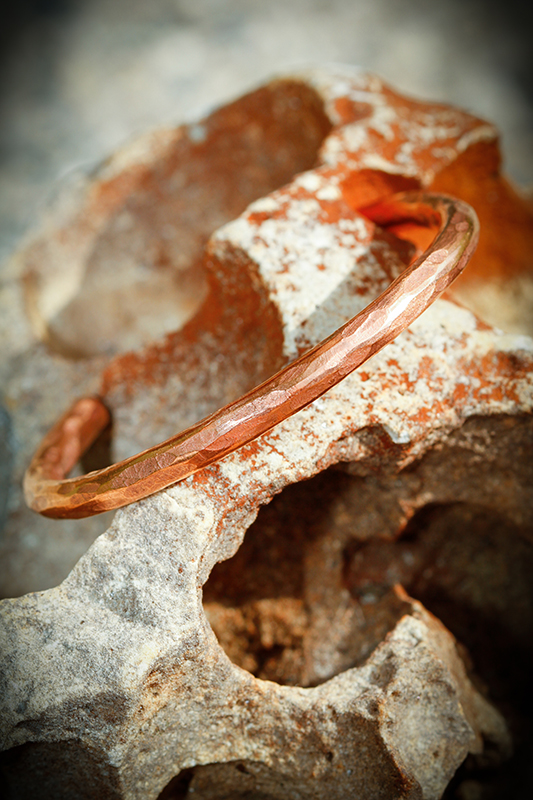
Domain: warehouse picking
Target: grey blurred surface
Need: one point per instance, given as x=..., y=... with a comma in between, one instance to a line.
x=6, y=462
x=79, y=77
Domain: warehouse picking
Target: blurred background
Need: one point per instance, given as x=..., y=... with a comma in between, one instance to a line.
x=80, y=77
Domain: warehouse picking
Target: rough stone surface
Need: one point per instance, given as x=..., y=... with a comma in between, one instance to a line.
x=307, y=671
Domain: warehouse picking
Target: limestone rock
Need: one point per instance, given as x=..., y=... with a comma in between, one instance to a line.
x=307, y=671
x=120, y=665
x=73, y=298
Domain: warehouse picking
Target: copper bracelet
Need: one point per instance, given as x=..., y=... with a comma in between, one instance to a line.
x=289, y=390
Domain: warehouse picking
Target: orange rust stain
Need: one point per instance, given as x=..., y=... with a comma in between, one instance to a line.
x=258, y=217
x=106, y=195
x=436, y=410
x=461, y=393
x=423, y=416
x=421, y=236
x=428, y=153
x=251, y=449
x=507, y=219
x=482, y=326
x=505, y=215
x=348, y=111
x=426, y=367
x=494, y=377
x=367, y=186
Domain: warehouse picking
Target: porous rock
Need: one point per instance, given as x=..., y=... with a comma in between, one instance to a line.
x=324, y=679
x=76, y=295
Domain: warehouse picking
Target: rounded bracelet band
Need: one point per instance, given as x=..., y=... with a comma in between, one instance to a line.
x=49, y=492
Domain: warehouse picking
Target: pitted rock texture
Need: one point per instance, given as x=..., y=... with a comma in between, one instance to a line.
x=307, y=671
x=115, y=255
x=158, y=694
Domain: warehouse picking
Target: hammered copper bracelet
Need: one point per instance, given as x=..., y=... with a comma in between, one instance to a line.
x=289, y=390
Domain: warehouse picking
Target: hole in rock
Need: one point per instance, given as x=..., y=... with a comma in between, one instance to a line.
x=367, y=186
x=137, y=274
x=178, y=787
x=44, y=770
x=472, y=568
x=377, y=777
x=310, y=591
x=280, y=607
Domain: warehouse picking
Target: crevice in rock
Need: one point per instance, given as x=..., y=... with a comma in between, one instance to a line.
x=178, y=787
x=24, y=767
x=310, y=591
x=471, y=567
x=280, y=607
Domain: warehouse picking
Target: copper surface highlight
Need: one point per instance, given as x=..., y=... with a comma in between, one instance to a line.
x=49, y=492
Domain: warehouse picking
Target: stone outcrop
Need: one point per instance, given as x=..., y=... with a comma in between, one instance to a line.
x=179, y=652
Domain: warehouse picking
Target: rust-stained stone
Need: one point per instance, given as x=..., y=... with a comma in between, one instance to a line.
x=135, y=232
x=307, y=670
